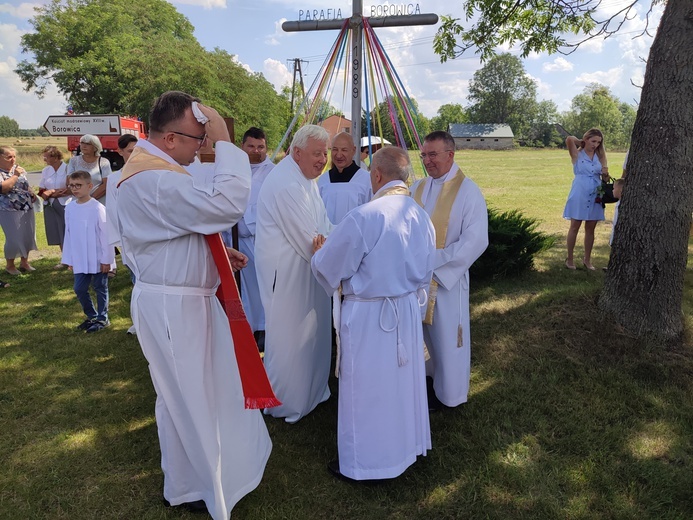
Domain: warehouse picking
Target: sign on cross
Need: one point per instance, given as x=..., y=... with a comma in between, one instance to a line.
x=356, y=26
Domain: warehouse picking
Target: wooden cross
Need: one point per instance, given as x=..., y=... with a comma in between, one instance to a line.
x=356, y=26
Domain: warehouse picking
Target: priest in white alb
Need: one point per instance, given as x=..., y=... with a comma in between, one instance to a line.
x=213, y=447
x=381, y=255
x=290, y=215
x=346, y=185
x=458, y=211
x=254, y=143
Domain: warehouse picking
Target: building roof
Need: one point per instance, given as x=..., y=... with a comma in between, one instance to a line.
x=481, y=130
x=344, y=120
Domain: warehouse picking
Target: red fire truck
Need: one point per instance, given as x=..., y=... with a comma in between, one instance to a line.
x=107, y=127
x=128, y=125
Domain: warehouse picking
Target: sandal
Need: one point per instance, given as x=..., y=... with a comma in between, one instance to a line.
x=570, y=266
x=3, y=284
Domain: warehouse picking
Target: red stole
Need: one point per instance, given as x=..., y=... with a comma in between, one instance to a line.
x=257, y=391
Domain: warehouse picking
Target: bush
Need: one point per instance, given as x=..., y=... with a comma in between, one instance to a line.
x=513, y=243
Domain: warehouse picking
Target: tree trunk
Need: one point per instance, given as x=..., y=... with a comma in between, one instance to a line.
x=643, y=289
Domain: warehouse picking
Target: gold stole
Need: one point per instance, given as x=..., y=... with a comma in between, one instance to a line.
x=441, y=220
x=141, y=160
x=394, y=190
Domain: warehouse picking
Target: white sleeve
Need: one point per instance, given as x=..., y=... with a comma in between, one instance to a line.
x=341, y=256
x=454, y=260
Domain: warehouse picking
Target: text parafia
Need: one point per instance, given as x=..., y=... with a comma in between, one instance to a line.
x=376, y=11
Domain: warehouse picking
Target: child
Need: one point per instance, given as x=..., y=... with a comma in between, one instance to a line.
x=618, y=190
x=87, y=251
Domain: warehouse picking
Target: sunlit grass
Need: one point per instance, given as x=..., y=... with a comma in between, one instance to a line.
x=567, y=417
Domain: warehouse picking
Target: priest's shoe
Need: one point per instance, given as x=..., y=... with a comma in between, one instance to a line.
x=198, y=506
x=434, y=403
x=333, y=468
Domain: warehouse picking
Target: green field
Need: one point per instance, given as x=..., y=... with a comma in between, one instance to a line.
x=29, y=149
x=568, y=417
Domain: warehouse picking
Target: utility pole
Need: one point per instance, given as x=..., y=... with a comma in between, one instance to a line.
x=356, y=27
x=297, y=70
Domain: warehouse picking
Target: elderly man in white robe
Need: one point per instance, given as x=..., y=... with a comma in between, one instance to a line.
x=381, y=255
x=346, y=185
x=213, y=449
x=458, y=211
x=290, y=215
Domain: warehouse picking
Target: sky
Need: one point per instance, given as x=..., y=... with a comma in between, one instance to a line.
x=251, y=30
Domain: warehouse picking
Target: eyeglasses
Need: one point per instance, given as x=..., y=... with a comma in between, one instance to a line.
x=201, y=138
x=9, y=157
x=75, y=186
x=432, y=155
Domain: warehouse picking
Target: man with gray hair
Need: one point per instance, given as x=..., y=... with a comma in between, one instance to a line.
x=381, y=255
x=291, y=216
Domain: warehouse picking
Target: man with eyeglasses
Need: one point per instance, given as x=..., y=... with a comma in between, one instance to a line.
x=458, y=212
x=213, y=448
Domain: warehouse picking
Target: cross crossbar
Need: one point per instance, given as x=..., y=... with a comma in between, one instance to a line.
x=356, y=26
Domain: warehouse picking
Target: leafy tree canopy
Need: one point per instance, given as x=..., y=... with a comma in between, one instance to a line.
x=596, y=107
x=501, y=92
x=8, y=127
x=449, y=114
x=116, y=56
x=380, y=119
x=536, y=25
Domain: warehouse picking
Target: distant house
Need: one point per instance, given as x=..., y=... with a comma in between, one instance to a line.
x=335, y=125
x=482, y=136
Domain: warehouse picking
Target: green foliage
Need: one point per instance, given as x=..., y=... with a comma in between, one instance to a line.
x=380, y=116
x=89, y=49
x=115, y=56
x=501, y=92
x=597, y=107
x=8, y=127
x=449, y=114
x=537, y=25
x=542, y=132
x=514, y=242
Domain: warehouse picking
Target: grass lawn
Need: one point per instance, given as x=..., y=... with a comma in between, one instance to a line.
x=567, y=418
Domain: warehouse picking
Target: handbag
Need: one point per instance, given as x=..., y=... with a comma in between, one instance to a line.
x=605, y=193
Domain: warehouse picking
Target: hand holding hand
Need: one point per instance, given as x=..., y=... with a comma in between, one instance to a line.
x=238, y=260
x=318, y=242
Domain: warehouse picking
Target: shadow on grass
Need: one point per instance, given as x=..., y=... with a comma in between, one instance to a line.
x=567, y=418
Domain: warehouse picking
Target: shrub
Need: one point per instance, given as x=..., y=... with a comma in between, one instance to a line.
x=513, y=243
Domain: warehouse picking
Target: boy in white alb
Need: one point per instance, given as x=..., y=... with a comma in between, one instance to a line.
x=87, y=251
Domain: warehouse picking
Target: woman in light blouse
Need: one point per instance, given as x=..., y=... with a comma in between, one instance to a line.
x=55, y=194
x=16, y=212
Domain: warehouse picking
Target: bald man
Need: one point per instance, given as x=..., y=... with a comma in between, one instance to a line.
x=346, y=185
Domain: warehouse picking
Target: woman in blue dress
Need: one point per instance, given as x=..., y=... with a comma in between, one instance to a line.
x=589, y=166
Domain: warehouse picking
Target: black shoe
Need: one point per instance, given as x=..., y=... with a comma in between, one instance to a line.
x=85, y=324
x=333, y=468
x=260, y=339
x=96, y=326
x=198, y=506
x=434, y=403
